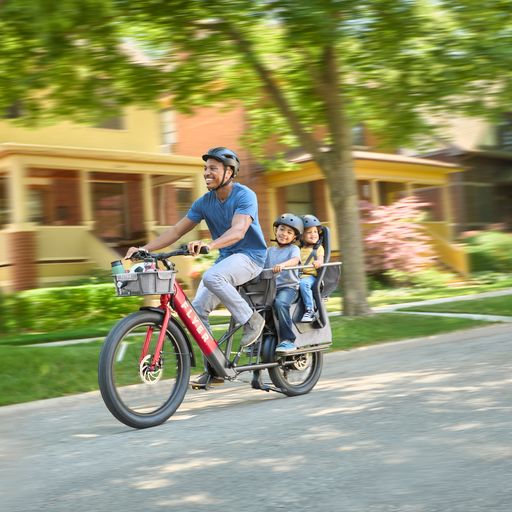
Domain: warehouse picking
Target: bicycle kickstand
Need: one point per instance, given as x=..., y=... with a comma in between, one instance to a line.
x=257, y=383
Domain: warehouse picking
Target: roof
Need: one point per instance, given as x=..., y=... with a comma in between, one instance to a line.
x=383, y=157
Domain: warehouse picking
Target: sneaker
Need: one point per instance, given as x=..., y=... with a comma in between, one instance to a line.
x=205, y=380
x=309, y=316
x=286, y=346
x=252, y=330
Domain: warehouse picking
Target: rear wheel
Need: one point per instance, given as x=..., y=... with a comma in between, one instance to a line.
x=297, y=374
x=137, y=392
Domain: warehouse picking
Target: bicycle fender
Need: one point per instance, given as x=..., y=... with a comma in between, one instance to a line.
x=180, y=327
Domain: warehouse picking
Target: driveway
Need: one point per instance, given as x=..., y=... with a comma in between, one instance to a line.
x=417, y=426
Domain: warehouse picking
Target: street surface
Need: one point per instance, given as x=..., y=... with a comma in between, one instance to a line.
x=416, y=426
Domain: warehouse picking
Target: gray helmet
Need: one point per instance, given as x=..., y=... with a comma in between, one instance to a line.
x=310, y=221
x=226, y=156
x=292, y=221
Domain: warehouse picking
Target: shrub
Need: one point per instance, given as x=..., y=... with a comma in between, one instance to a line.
x=428, y=278
x=396, y=241
x=489, y=251
x=60, y=308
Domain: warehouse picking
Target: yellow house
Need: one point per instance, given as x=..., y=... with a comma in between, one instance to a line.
x=381, y=179
x=72, y=197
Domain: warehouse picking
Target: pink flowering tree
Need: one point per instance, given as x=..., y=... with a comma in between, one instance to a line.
x=395, y=240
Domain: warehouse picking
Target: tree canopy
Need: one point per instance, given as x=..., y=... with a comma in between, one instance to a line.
x=305, y=70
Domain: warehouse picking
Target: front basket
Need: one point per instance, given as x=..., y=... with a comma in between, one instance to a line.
x=152, y=282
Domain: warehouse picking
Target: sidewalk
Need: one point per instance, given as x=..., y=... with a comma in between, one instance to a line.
x=485, y=295
x=379, y=309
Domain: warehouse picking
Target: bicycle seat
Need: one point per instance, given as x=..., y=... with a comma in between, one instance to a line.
x=260, y=291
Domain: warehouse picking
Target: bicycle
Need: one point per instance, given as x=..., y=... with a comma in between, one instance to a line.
x=145, y=362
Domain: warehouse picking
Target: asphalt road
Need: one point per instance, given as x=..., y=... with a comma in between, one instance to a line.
x=416, y=426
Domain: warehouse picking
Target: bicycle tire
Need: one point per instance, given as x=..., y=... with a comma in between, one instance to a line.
x=136, y=395
x=297, y=374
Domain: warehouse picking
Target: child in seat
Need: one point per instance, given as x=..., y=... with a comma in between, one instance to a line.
x=311, y=252
x=287, y=228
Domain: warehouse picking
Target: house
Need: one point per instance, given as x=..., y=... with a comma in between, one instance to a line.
x=482, y=193
x=73, y=198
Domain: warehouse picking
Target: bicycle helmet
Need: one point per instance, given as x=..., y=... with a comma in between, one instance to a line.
x=226, y=156
x=310, y=221
x=292, y=221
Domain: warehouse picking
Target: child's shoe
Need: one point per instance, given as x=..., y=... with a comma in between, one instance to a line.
x=286, y=346
x=309, y=316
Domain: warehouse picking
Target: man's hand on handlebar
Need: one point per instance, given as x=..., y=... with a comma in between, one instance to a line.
x=198, y=247
x=133, y=250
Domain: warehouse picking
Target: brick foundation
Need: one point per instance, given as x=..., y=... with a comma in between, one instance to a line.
x=22, y=255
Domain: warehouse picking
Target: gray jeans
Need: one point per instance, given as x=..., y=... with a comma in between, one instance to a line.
x=218, y=287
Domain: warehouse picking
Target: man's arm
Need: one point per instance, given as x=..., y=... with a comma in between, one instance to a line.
x=168, y=237
x=239, y=226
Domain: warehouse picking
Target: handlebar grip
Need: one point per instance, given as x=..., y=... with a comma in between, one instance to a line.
x=139, y=255
x=204, y=249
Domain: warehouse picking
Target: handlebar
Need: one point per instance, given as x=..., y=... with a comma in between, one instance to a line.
x=300, y=267
x=182, y=251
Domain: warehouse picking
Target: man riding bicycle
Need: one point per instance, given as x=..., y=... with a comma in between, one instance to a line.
x=230, y=211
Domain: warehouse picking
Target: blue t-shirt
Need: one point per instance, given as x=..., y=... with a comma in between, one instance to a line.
x=218, y=216
x=278, y=254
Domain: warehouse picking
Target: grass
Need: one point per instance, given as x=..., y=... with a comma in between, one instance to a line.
x=490, y=306
x=34, y=373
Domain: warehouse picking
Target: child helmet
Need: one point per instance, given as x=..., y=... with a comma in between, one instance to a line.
x=224, y=155
x=292, y=221
x=310, y=221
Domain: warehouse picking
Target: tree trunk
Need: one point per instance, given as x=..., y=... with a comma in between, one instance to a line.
x=338, y=169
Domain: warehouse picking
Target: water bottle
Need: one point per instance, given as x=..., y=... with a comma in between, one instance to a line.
x=117, y=267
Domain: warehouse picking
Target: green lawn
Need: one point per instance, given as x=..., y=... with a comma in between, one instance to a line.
x=33, y=373
x=491, y=306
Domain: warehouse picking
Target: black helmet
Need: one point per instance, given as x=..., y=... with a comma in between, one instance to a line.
x=292, y=221
x=310, y=221
x=226, y=156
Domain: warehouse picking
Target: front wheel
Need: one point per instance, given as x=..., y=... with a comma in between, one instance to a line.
x=137, y=392
x=297, y=374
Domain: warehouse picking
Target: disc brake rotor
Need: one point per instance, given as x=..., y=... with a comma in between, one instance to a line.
x=146, y=374
x=302, y=362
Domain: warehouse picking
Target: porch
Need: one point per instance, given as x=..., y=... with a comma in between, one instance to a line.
x=67, y=211
x=381, y=179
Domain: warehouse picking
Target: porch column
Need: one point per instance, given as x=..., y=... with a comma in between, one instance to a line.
x=374, y=192
x=86, y=200
x=17, y=195
x=272, y=210
x=148, y=207
x=447, y=209
x=21, y=241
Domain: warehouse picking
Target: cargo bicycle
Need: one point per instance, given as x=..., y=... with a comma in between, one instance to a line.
x=145, y=362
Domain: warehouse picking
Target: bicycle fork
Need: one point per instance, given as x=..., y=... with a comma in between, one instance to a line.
x=197, y=329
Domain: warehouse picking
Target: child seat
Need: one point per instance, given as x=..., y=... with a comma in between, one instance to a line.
x=326, y=280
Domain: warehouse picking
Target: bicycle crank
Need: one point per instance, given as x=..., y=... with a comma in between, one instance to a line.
x=150, y=375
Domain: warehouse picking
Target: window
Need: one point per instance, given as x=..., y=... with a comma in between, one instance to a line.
x=298, y=199
x=112, y=123
x=4, y=207
x=109, y=202
x=358, y=138
x=14, y=111
x=167, y=130
x=505, y=134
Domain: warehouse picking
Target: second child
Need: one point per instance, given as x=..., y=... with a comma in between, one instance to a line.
x=288, y=228
x=311, y=253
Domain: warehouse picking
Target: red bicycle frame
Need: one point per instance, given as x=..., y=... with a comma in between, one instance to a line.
x=207, y=343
